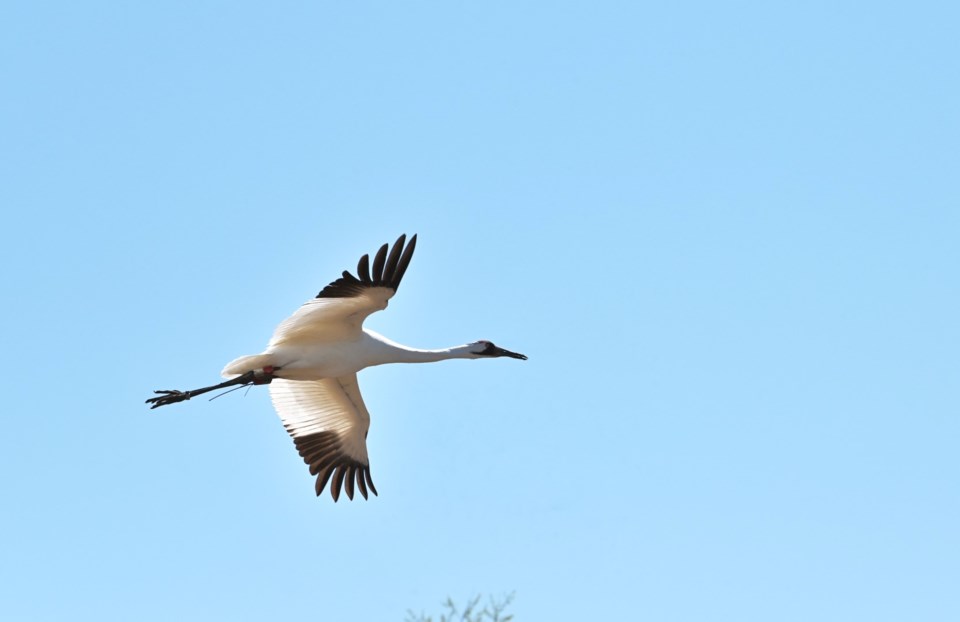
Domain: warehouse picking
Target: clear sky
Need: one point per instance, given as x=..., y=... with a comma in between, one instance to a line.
x=726, y=235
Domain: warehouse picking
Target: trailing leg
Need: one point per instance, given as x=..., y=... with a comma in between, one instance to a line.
x=256, y=376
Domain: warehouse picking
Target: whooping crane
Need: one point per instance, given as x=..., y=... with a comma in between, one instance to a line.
x=311, y=365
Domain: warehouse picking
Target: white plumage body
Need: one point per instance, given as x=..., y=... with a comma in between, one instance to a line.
x=312, y=358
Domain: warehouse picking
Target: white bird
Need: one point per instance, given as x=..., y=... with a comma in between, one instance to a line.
x=311, y=365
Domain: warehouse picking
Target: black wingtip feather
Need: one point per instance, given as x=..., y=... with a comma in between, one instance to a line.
x=348, y=481
x=323, y=453
x=322, y=479
x=363, y=270
x=378, y=262
x=337, y=483
x=373, y=489
x=404, y=262
x=391, y=268
x=388, y=271
x=361, y=484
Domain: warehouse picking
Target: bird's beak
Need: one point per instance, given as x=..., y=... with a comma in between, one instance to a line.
x=514, y=355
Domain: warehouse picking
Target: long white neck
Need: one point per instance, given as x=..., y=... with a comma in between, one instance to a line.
x=403, y=354
x=392, y=352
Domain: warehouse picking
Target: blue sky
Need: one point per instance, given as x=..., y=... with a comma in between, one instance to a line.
x=725, y=235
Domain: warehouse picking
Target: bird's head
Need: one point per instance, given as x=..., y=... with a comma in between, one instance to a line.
x=486, y=349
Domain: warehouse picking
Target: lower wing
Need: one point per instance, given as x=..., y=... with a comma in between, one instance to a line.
x=328, y=422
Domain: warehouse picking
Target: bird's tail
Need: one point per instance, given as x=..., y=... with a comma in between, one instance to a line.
x=244, y=364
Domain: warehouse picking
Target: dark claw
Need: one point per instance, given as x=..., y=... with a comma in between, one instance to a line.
x=167, y=397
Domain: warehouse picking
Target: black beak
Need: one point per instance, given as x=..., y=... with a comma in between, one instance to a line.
x=501, y=352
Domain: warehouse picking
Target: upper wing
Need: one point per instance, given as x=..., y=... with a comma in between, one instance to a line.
x=328, y=422
x=340, y=308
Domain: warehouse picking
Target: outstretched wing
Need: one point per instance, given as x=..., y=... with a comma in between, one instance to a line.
x=338, y=311
x=328, y=422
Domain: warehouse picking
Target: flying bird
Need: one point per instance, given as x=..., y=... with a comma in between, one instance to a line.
x=311, y=365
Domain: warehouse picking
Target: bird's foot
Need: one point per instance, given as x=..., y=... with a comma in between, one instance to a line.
x=167, y=397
